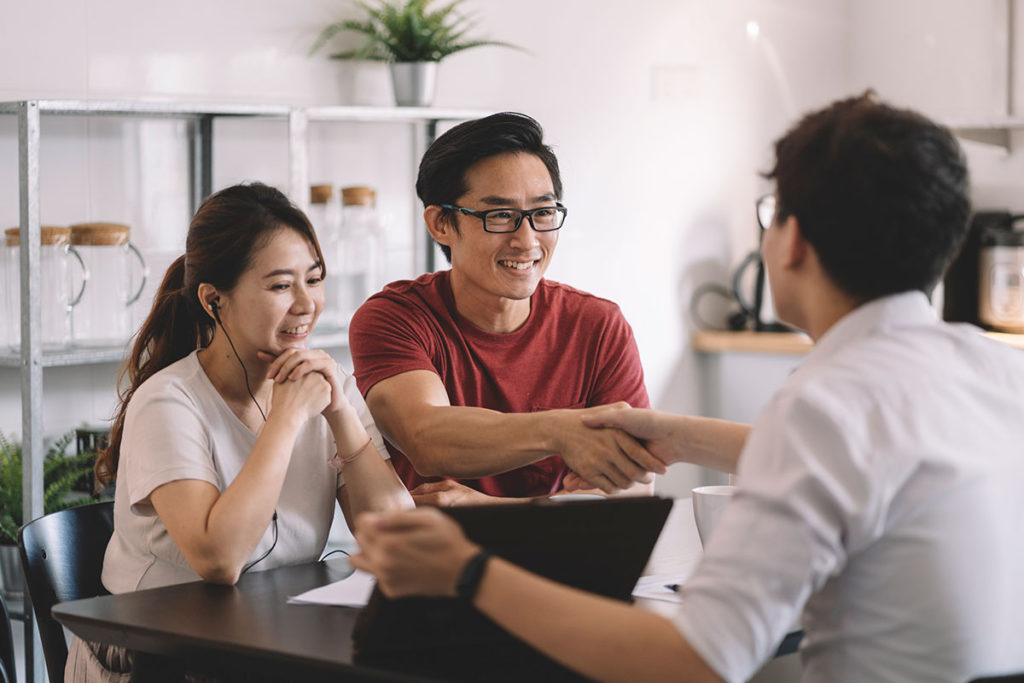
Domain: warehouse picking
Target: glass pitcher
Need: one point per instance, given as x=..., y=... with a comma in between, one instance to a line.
x=59, y=293
x=103, y=316
x=356, y=269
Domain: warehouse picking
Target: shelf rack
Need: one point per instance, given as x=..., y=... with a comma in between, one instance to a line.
x=200, y=117
x=996, y=132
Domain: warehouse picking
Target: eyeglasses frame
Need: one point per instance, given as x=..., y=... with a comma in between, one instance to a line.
x=523, y=213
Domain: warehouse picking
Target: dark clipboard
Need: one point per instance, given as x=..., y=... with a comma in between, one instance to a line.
x=600, y=546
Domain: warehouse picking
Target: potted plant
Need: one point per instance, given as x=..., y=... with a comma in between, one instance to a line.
x=412, y=38
x=60, y=474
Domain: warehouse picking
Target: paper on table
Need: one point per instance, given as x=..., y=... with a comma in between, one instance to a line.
x=657, y=587
x=352, y=591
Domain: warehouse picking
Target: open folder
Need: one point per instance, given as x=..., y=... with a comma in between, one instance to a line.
x=599, y=546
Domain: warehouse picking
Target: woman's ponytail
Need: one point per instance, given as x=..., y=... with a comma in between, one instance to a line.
x=171, y=331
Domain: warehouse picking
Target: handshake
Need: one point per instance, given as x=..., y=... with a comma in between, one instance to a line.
x=614, y=447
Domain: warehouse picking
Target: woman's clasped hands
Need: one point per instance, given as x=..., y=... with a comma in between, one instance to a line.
x=306, y=381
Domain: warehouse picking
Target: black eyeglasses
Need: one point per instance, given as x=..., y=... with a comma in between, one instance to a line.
x=542, y=219
x=766, y=207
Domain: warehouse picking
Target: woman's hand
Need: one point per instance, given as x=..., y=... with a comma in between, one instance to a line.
x=304, y=398
x=293, y=364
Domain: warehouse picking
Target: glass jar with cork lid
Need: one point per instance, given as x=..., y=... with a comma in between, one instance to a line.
x=103, y=316
x=322, y=211
x=60, y=291
x=359, y=251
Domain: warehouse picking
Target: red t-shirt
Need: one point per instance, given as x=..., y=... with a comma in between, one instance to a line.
x=574, y=351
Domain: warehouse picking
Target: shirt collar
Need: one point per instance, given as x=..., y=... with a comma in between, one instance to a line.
x=903, y=310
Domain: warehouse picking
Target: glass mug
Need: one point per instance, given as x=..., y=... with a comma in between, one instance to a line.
x=58, y=293
x=103, y=316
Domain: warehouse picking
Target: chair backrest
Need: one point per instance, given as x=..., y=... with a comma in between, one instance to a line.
x=1004, y=678
x=62, y=554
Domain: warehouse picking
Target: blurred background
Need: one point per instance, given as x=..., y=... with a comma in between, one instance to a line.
x=662, y=113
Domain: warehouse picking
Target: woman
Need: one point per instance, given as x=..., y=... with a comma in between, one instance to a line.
x=228, y=428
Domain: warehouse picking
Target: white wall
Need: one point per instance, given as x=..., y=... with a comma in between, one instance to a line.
x=663, y=116
x=661, y=111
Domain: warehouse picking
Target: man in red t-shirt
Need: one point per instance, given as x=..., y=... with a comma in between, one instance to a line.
x=478, y=375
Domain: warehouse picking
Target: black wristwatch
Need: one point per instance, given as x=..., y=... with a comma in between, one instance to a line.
x=469, y=579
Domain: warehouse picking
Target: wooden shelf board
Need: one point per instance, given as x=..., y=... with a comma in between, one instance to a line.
x=788, y=342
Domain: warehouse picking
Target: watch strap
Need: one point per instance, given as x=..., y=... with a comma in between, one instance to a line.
x=469, y=580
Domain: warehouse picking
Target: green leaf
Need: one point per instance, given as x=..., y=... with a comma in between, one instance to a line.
x=60, y=474
x=406, y=31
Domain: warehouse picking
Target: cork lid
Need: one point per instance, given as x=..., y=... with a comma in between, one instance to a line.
x=359, y=194
x=320, y=194
x=99, y=234
x=49, y=234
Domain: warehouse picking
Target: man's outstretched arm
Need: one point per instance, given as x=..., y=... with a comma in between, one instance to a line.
x=413, y=411
x=703, y=441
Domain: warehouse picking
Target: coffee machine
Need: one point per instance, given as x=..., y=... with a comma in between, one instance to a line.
x=984, y=285
x=1001, y=278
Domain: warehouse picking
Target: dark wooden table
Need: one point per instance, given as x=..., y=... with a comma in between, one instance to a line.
x=252, y=628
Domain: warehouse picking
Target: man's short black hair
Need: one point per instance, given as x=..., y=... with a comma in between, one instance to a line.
x=443, y=169
x=880, y=193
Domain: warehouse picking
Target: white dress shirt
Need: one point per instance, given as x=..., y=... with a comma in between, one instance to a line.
x=882, y=492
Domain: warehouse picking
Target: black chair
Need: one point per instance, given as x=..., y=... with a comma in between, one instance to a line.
x=8, y=672
x=1005, y=678
x=62, y=554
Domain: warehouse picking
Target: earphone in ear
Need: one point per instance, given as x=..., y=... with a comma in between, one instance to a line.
x=215, y=310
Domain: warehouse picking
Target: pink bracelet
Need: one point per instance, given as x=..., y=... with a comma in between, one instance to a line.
x=338, y=462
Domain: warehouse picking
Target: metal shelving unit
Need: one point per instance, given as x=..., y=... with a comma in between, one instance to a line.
x=56, y=359
x=31, y=359
x=996, y=132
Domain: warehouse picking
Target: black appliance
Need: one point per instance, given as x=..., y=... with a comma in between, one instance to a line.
x=960, y=295
x=757, y=311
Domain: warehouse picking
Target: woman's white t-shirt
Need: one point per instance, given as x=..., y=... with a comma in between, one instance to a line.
x=178, y=427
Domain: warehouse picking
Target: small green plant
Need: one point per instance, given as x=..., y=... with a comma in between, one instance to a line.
x=406, y=32
x=60, y=473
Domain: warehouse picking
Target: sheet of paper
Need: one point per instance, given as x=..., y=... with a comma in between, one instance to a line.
x=656, y=587
x=353, y=591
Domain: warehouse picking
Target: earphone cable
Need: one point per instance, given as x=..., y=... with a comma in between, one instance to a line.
x=273, y=544
x=245, y=375
x=336, y=550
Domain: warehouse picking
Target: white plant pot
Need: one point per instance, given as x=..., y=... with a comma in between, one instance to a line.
x=414, y=83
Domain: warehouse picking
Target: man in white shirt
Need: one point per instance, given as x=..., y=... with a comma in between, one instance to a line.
x=880, y=492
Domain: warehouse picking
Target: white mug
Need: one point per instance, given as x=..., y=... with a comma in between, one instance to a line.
x=708, y=504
